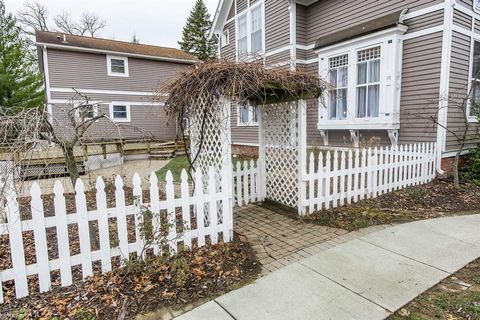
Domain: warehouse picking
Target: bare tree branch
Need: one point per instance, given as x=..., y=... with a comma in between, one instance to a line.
x=33, y=17
x=90, y=23
x=65, y=24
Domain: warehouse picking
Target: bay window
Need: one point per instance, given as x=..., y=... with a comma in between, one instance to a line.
x=250, y=31
x=364, y=76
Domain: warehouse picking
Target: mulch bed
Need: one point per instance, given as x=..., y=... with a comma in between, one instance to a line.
x=436, y=199
x=140, y=287
x=457, y=297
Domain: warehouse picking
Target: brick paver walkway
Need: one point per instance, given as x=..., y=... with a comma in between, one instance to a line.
x=279, y=239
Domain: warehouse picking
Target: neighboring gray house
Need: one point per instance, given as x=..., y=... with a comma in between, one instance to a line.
x=397, y=68
x=121, y=77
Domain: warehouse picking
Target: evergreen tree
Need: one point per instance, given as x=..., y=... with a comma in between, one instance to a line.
x=21, y=84
x=195, y=33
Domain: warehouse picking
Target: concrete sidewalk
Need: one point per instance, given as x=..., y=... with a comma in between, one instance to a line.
x=367, y=278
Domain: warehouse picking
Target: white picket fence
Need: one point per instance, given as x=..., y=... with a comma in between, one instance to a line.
x=201, y=203
x=338, y=177
x=245, y=184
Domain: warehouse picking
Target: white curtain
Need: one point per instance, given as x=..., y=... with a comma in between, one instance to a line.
x=257, y=31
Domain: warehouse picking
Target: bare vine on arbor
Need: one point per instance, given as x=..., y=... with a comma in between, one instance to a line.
x=239, y=82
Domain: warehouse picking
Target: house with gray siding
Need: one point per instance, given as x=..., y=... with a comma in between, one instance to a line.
x=398, y=70
x=119, y=78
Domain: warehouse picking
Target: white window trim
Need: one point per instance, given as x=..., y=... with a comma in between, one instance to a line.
x=470, y=118
x=390, y=42
x=223, y=44
x=247, y=12
x=109, y=66
x=95, y=111
x=120, y=103
x=250, y=123
x=475, y=8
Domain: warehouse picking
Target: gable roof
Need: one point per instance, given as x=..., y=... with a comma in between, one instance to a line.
x=220, y=17
x=81, y=43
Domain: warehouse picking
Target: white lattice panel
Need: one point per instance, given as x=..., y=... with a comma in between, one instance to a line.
x=281, y=139
x=210, y=140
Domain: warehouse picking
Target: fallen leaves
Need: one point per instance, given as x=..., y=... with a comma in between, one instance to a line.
x=146, y=285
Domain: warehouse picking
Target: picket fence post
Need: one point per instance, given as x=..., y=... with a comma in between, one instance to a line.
x=103, y=230
x=185, y=194
x=83, y=229
x=138, y=217
x=171, y=214
x=199, y=206
x=155, y=210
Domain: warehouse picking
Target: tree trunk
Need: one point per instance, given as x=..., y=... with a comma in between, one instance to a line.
x=456, y=176
x=68, y=153
x=71, y=164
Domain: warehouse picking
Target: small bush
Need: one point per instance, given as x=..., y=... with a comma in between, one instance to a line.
x=471, y=171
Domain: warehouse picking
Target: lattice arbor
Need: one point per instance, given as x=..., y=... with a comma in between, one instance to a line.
x=210, y=141
x=282, y=150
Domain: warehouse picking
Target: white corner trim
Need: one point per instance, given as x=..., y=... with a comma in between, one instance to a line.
x=109, y=66
x=293, y=32
x=444, y=81
x=132, y=103
x=120, y=103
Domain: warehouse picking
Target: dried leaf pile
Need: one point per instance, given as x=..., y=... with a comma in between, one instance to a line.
x=143, y=286
x=436, y=199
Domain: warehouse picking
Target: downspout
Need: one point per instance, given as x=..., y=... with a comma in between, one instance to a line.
x=444, y=82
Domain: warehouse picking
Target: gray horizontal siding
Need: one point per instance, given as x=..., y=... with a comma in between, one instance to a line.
x=477, y=26
x=425, y=21
x=459, y=79
x=241, y=5
x=70, y=69
x=277, y=24
x=278, y=58
x=301, y=24
x=420, y=88
x=466, y=3
x=229, y=52
x=245, y=134
x=146, y=121
x=325, y=17
x=462, y=20
x=107, y=97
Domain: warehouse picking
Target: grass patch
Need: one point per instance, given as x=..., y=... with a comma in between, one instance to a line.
x=177, y=164
x=457, y=297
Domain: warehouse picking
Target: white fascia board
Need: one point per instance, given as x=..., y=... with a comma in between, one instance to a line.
x=220, y=17
x=126, y=54
x=94, y=91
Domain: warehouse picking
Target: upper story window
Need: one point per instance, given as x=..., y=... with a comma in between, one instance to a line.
x=364, y=91
x=120, y=112
x=476, y=5
x=250, y=31
x=225, y=38
x=474, y=105
x=117, y=66
x=247, y=115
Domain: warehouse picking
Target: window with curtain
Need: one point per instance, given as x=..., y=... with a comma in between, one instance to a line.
x=368, y=82
x=247, y=114
x=338, y=93
x=475, y=81
x=257, y=30
x=242, y=35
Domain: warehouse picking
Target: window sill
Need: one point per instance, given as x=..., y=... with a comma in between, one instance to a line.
x=472, y=119
x=121, y=120
x=247, y=124
x=358, y=124
x=118, y=75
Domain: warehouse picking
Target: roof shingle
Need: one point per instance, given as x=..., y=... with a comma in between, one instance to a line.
x=73, y=41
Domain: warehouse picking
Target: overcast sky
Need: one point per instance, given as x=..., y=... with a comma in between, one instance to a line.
x=157, y=22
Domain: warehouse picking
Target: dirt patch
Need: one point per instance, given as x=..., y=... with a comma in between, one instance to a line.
x=457, y=297
x=436, y=199
x=141, y=287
